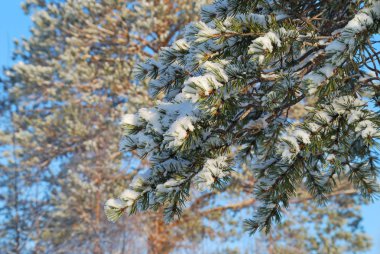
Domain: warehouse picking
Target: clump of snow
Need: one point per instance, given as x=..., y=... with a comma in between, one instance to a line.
x=115, y=203
x=315, y=79
x=139, y=180
x=367, y=129
x=204, y=84
x=330, y=157
x=288, y=148
x=129, y=196
x=152, y=117
x=354, y=116
x=205, y=32
x=178, y=131
x=258, y=124
x=358, y=24
x=327, y=70
x=253, y=17
x=113, y=209
x=212, y=169
x=335, y=46
x=130, y=119
x=180, y=45
x=344, y=103
x=265, y=43
x=217, y=69
x=302, y=135
x=323, y=116
x=169, y=185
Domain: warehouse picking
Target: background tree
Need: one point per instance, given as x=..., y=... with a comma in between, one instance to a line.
x=71, y=86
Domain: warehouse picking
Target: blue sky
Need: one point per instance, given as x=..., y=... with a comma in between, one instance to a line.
x=14, y=24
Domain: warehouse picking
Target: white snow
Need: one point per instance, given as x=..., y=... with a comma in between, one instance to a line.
x=205, y=32
x=359, y=23
x=203, y=84
x=354, y=116
x=213, y=168
x=140, y=179
x=335, y=46
x=130, y=119
x=327, y=70
x=330, y=157
x=265, y=43
x=180, y=45
x=253, y=17
x=115, y=203
x=152, y=116
x=367, y=129
x=178, y=131
x=288, y=148
x=259, y=124
x=217, y=69
x=341, y=104
x=129, y=194
x=303, y=135
x=324, y=116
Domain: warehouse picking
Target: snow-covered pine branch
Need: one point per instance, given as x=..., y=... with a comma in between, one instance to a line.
x=228, y=86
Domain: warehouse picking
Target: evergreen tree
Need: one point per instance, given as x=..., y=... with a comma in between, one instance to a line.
x=14, y=202
x=78, y=63
x=71, y=85
x=223, y=96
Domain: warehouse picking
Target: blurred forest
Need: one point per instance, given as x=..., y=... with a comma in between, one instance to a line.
x=64, y=98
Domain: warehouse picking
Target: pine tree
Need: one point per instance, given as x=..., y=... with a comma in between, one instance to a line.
x=71, y=85
x=228, y=86
x=19, y=209
x=68, y=162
